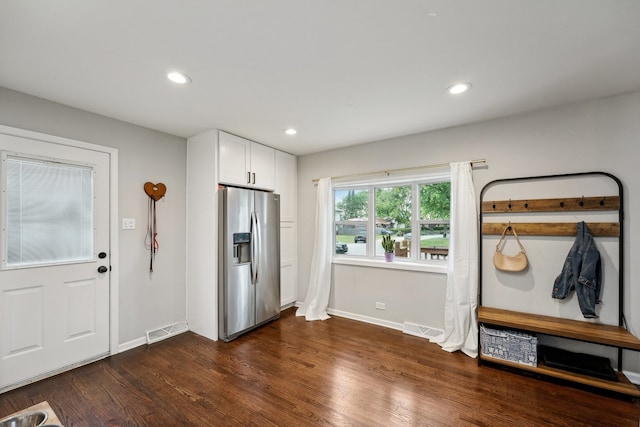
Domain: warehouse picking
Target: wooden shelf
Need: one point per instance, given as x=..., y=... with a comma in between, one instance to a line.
x=622, y=386
x=598, y=333
x=600, y=203
x=597, y=229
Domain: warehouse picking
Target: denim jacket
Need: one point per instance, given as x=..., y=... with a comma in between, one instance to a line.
x=582, y=271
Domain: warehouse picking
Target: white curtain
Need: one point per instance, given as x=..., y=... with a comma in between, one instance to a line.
x=317, y=299
x=461, y=301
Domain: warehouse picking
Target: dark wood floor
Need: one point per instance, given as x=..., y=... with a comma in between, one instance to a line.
x=297, y=373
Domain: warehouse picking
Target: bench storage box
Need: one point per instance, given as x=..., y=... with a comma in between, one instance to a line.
x=513, y=346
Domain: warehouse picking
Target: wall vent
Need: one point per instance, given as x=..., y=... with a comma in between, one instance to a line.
x=421, y=331
x=166, y=332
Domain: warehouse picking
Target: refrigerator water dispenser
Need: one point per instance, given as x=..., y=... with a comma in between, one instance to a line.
x=241, y=248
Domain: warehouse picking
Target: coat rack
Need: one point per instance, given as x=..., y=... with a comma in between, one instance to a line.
x=155, y=193
x=592, y=332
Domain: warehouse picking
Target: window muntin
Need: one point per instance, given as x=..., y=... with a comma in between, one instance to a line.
x=415, y=212
x=49, y=213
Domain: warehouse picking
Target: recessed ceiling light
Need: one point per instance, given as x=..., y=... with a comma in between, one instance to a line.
x=459, y=88
x=290, y=131
x=179, y=78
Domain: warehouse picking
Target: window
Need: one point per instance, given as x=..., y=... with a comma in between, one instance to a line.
x=433, y=224
x=49, y=212
x=351, y=221
x=415, y=213
x=393, y=216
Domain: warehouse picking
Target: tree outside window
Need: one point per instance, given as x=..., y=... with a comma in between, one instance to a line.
x=435, y=213
x=393, y=215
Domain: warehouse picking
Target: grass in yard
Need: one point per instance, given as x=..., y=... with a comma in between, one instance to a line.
x=439, y=242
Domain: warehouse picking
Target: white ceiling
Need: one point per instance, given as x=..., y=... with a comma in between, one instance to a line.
x=342, y=72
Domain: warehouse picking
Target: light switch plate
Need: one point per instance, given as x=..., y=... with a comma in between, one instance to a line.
x=128, y=223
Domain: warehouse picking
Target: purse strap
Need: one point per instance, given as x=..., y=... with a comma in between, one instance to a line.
x=513, y=230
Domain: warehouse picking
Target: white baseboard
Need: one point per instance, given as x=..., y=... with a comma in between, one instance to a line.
x=132, y=344
x=287, y=306
x=366, y=319
x=359, y=317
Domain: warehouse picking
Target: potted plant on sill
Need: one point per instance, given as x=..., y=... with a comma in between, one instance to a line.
x=388, y=244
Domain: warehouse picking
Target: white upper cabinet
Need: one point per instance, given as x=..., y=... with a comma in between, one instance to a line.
x=245, y=163
x=234, y=159
x=263, y=166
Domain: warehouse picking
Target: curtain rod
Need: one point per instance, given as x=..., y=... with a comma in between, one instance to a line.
x=390, y=171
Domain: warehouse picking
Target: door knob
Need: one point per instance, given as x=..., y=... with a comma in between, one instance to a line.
x=102, y=269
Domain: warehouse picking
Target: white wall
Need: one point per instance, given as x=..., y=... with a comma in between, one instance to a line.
x=146, y=301
x=597, y=135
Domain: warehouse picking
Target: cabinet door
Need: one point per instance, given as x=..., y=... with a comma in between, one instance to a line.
x=286, y=185
x=288, y=288
x=234, y=156
x=263, y=169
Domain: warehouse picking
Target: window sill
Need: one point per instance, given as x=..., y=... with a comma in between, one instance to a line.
x=395, y=265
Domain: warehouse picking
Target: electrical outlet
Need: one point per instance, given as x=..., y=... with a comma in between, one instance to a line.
x=128, y=223
x=380, y=306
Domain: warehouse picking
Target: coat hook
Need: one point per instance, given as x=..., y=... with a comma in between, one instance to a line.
x=526, y=204
x=602, y=201
x=562, y=204
x=509, y=203
x=581, y=203
x=494, y=206
x=509, y=226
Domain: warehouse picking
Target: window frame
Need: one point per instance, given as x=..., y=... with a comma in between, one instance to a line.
x=5, y=264
x=370, y=258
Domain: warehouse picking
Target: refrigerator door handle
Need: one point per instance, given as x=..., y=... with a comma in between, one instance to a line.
x=255, y=240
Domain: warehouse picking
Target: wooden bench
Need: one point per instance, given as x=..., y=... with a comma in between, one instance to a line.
x=431, y=253
x=402, y=248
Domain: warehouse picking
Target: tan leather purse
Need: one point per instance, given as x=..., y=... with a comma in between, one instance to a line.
x=508, y=263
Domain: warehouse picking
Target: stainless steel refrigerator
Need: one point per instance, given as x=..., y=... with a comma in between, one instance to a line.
x=248, y=260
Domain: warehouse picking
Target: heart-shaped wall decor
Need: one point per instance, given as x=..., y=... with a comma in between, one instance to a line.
x=155, y=191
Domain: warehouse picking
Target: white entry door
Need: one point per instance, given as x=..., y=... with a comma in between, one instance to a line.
x=54, y=251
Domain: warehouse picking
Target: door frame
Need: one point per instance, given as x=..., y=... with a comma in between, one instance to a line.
x=113, y=214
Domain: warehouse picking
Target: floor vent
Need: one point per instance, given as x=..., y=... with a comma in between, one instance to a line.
x=421, y=331
x=166, y=332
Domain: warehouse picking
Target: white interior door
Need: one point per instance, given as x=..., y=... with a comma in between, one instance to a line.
x=54, y=251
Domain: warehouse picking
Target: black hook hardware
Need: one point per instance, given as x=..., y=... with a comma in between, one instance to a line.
x=562, y=204
x=581, y=202
x=602, y=202
x=509, y=203
x=494, y=206
x=526, y=204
